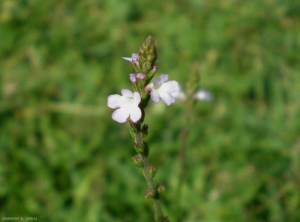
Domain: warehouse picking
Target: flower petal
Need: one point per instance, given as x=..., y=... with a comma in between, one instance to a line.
x=135, y=56
x=161, y=79
x=137, y=98
x=114, y=101
x=127, y=58
x=170, y=87
x=164, y=77
x=120, y=115
x=167, y=91
x=127, y=93
x=154, y=96
x=167, y=98
x=135, y=113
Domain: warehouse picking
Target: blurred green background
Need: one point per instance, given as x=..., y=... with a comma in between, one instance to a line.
x=237, y=158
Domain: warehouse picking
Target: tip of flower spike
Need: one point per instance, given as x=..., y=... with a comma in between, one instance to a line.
x=147, y=54
x=149, y=39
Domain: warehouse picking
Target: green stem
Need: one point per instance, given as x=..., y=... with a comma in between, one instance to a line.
x=138, y=139
x=150, y=183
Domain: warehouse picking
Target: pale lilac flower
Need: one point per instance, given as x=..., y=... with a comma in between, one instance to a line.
x=126, y=106
x=134, y=58
x=202, y=94
x=161, y=89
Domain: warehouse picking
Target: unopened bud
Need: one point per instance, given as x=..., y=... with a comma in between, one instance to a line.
x=161, y=189
x=139, y=148
x=151, y=73
x=135, y=62
x=146, y=67
x=132, y=78
x=147, y=54
x=142, y=148
x=152, y=170
x=140, y=76
x=149, y=87
x=137, y=160
x=150, y=194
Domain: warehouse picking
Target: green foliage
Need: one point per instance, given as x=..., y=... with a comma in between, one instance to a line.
x=62, y=158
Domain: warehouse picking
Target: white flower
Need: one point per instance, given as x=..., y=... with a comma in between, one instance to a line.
x=127, y=104
x=167, y=91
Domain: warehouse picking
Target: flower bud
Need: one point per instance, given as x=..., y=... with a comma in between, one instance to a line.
x=151, y=74
x=140, y=76
x=137, y=160
x=149, y=87
x=135, y=62
x=152, y=170
x=146, y=67
x=160, y=189
x=147, y=54
x=142, y=148
x=150, y=194
x=132, y=78
x=139, y=148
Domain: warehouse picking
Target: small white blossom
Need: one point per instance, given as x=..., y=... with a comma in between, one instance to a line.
x=134, y=58
x=202, y=94
x=126, y=106
x=161, y=89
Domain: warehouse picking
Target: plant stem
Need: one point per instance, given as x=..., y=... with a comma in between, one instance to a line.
x=150, y=183
x=138, y=139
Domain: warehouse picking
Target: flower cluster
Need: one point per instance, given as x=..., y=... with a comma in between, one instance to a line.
x=127, y=104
